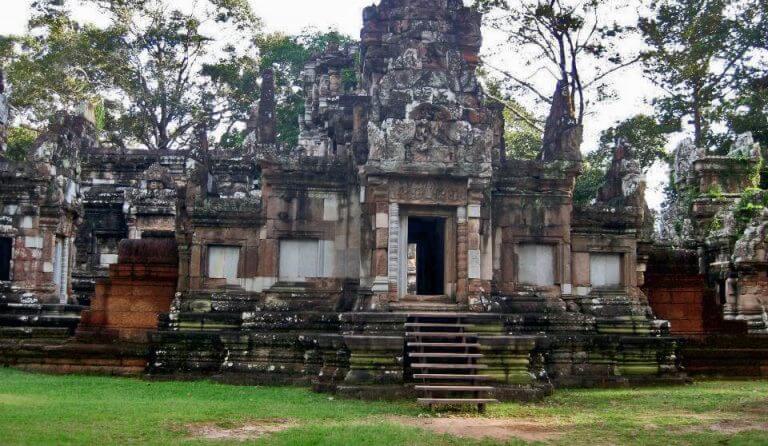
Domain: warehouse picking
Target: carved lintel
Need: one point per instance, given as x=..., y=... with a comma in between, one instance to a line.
x=428, y=191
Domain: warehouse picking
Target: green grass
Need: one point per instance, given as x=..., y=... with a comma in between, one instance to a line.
x=42, y=409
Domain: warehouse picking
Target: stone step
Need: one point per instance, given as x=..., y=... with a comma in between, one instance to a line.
x=410, y=307
x=439, y=388
x=437, y=325
x=449, y=366
x=436, y=401
x=444, y=344
x=421, y=298
x=446, y=355
x=451, y=377
x=437, y=314
x=438, y=334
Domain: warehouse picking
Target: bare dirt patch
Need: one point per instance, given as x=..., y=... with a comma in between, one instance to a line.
x=756, y=408
x=244, y=432
x=737, y=426
x=479, y=428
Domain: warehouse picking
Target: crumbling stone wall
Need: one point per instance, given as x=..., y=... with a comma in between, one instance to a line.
x=140, y=287
x=718, y=211
x=40, y=204
x=126, y=194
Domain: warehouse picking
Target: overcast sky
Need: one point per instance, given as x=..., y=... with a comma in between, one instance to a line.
x=293, y=16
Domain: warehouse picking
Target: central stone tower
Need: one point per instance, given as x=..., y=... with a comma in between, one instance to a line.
x=428, y=167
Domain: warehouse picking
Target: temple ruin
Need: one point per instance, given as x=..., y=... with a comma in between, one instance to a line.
x=396, y=251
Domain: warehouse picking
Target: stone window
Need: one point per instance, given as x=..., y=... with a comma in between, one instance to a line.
x=299, y=260
x=223, y=263
x=6, y=253
x=605, y=270
x=536, y=264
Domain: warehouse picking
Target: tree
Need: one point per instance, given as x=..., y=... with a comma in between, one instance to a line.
x=288, y=55
x=160, y=69
x=560, y=37
x=20, y=141
x=164, y=68
x=697, y=53
x=748, y=110
x=523, y=131
x=52, y=67
x=591, y=179
x=641, y=132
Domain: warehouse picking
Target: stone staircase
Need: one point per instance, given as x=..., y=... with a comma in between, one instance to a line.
x=444, y=356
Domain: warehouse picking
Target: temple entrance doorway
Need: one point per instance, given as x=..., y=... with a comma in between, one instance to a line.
x=5, y=258
x=426, y=256
x=427, y=267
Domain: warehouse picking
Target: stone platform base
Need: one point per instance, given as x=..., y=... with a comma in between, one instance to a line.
x=725, y=355
x=74, y=357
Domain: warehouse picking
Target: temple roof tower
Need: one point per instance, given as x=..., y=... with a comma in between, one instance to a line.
x=418, y=66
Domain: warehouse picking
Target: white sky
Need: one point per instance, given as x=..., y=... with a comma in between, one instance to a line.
x=293, y=16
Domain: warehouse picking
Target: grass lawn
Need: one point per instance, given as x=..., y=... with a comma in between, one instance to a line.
x=41, y=409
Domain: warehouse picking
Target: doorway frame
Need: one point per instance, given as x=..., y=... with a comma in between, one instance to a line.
x=10, y=242
x=450, y=276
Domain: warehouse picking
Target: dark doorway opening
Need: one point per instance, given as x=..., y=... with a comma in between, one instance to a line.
x=428, y=234
x=5, y=258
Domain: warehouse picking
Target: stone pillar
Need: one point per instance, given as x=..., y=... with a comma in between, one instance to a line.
x=184, y=259
x=393, y=251
x=380, y=261
x=731, y=298
x=477, y=286
x=462, y=261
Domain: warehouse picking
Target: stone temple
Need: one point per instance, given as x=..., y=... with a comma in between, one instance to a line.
x=395, y=251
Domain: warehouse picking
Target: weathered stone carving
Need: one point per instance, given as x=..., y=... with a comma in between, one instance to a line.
x=625, y=182
x=562, y=133
x=428, y=191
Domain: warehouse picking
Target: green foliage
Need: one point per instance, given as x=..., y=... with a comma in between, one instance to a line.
x=288, y=55
x=522, y=129
x=164, y=68
x=232, y=140
x=559, y=38
x=643, y=134
x=687, y=196
x=52, y=67
x=750, y=205
x=523, y=144
x=20, y=142
x=100, y=113
x=699, y=53
x=288, y=121
x=591, y=179
x=715, y=192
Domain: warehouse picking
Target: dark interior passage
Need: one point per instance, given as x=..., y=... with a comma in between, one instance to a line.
x=428, y=234
x=5, y=258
